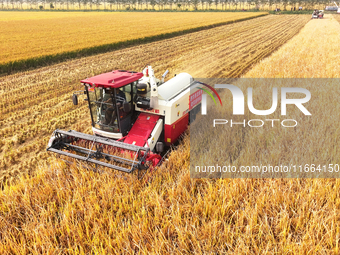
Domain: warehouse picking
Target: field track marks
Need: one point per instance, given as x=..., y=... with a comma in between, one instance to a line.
x=316, y=139
x=24, y=43
x=310, y=58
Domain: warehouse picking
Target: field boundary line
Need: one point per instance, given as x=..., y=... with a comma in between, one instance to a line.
x=36, y=62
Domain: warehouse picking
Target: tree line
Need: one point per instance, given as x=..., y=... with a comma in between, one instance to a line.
x=113, y=5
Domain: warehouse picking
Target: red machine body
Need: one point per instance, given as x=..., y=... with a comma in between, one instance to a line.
x=131, y=112
x=114, y=79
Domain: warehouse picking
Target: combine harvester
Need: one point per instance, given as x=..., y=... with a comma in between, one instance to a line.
x=317, y=14
x=135, y=116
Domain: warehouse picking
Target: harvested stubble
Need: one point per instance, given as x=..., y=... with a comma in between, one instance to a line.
x=27, y=36
x=337, y=17
x=306, y=55
x=278, y=146
x=67, y=209
x=41, y=99
x=302, y=214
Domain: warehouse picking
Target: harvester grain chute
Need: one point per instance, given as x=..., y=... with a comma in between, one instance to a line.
x=338, y=8
x=134, y=116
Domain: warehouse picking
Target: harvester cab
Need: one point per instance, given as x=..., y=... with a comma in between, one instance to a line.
x=134, y=117
x=315, y=14
x=112, y=107
x=320, y=14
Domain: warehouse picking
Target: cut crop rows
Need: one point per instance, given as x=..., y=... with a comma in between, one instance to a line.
x=35, y=103
x=33, y=41
x=278, y=215
x=337, y=17
x=67, y=208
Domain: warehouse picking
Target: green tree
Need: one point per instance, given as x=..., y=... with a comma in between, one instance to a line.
x=195, y=4
x=153, y=3
x=209, y=2
x=85, y=3
x=270, y=4
x=97, y=3
x=216, y=3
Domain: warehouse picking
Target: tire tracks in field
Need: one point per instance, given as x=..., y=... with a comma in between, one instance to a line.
x=247, y=50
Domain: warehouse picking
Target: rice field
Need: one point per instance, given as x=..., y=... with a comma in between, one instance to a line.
x=318, y=60
x=41, y=99
x=65, y=209
x=315, y=140
x=301, y=215
x=336, y=16
x=27, y=35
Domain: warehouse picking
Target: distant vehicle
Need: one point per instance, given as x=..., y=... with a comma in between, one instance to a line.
x=135, y=116
x=331, y=8
x=317, y=14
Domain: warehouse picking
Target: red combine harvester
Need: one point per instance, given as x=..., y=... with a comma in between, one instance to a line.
x=135, y=116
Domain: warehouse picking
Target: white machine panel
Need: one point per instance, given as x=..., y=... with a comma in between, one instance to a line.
x=156, y=132
x=173, y=86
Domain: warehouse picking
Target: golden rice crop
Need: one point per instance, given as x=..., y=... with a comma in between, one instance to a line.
x=277, y=145
x=41, y=99
x=306, y=210
x=63, y=209
x=319, y=60
x=337, y=17
x=27, y=35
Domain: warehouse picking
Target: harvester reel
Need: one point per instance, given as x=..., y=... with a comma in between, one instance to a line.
x=97, y=151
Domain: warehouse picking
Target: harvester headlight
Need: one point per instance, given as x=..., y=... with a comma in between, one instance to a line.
x=142, y=88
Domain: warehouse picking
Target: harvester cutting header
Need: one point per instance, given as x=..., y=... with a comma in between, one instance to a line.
x=134, y=115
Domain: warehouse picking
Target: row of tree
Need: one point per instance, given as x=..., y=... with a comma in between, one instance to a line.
x=162, y=4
